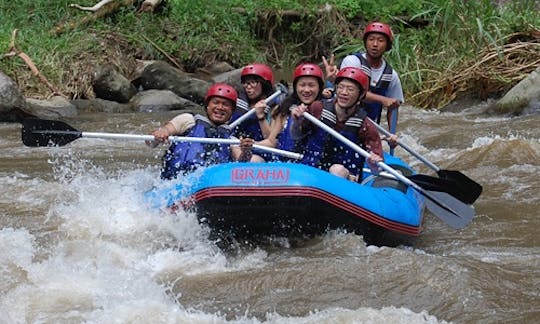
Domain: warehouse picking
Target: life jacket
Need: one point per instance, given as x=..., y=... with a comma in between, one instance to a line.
x=374, y=109
x=187, y=156
x=285, y=140
x=249, y=127
x=323, y=150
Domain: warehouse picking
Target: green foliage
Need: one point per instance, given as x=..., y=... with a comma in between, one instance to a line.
x=459, y=31
x=433, y=38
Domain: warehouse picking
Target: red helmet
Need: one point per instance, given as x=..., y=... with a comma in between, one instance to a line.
x=378, y=27
x=355, y=74
x=222, y=90
x=261, y=70
x=308, y=69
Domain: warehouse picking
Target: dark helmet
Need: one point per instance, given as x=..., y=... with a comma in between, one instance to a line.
x=222, y=90
x=355, y=74
x=378, y=27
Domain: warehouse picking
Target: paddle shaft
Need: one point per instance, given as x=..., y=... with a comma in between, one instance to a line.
x=463, y=188
x=252, y=111
x=360, y=150
x=407, y=148
x=231, y=141
x=393, y=124
x=439, y=205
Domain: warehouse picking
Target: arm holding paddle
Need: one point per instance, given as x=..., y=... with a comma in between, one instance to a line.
x=259, y=109
x=373, y=145
x=243, y=151
x=302, y=127
x=178, y=125
x=447, y=208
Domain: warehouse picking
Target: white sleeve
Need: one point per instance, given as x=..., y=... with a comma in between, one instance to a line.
x=350, y=60
x=394, y=88
x=182, y=123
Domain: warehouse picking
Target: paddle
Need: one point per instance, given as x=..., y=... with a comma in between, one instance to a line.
x=447, y=208
x=393, y=125
x=42, y=132
x=280, y=89
x=459, y=185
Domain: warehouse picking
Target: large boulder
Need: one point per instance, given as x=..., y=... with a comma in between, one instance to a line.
x=231, y=77
x=109, y=84
x=522, y=98
x=209, y=71
x=101, y=105
x=53, y=108
x=12, y=104
x=161, y=100
x=162, y=76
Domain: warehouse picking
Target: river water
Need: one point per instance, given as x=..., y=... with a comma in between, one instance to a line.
x=78, y=244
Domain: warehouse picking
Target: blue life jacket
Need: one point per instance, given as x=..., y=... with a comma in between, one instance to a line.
x=323, y=150
x=182, y=157
x=374, y=109
x=285, y=140
x=249, y=127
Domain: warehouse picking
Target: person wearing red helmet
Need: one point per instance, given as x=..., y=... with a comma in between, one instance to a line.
x=385, y=87
x=257, y=84
x=181, y=157
x=308, y=81
x=346, y=114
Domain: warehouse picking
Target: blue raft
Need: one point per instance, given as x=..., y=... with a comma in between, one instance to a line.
x=250, y=200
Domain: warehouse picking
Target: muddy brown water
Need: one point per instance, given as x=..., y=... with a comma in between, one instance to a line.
x=77, y=244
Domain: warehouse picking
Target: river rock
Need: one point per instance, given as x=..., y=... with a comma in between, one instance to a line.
x=102, y=105
x=230, y=77
x=109, y=84
x=162, y=76
x=522, y=98
x=161, y=100
x=53, y=108
x=13, y=106
x=207, y=72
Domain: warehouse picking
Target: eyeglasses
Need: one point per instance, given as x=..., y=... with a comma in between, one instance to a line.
x=346, y=89
x=252, y=83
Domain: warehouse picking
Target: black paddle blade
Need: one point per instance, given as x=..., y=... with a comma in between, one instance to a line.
x=470, y=189
x=41, y=132
x=448, y=185
x=449, y=209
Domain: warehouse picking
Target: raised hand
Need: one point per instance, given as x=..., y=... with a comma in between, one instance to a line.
x=330, y=67
x=259, y=107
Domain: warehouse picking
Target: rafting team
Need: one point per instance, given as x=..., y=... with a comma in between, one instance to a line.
x=349, y=100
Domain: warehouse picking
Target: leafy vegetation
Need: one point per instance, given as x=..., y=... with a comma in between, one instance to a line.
x=442, y=49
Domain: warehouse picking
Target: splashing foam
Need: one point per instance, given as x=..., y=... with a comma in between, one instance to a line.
x=113, y=259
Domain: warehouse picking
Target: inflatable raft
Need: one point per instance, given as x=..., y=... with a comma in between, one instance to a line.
x=249, y=200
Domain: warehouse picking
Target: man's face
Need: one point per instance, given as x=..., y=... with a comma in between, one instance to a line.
x=348, y=93
x=219, y=110
x=376, y=44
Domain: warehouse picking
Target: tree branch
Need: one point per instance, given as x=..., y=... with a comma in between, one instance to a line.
x=13, y=51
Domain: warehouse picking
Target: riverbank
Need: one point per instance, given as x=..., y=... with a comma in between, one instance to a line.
x=440, y=57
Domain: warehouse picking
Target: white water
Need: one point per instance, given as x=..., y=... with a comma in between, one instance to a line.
x=78, y=244
x=112, y=259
